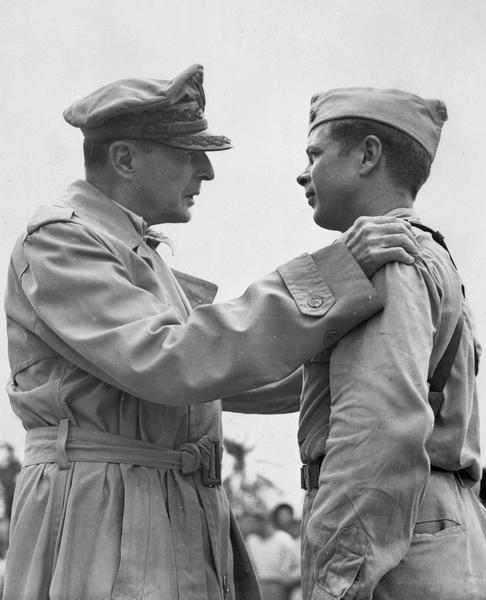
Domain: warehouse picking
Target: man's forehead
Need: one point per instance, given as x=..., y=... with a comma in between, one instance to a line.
x=320, y=136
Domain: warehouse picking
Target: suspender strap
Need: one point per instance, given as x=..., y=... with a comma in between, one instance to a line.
x=439, y=238
x=436, y=236
x=443, y=369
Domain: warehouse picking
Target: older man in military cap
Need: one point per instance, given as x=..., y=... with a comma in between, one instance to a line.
x=389, y=419
x=117, y=381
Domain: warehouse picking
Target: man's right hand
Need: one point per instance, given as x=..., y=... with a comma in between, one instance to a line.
x=375, y=241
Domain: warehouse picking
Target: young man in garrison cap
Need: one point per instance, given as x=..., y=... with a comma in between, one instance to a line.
x=117, y=381
x=389, y=418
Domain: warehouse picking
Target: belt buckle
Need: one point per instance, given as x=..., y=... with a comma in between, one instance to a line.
x=304, y=477
x=309, y=475
x=211, y=476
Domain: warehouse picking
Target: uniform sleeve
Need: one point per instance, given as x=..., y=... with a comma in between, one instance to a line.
x=92, y=311
x=376, y=468
x=275, y=398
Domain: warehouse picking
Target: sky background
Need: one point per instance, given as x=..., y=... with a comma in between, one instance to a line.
x=263, y=60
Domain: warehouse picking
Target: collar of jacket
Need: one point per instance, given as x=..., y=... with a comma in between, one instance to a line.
x=91, y=204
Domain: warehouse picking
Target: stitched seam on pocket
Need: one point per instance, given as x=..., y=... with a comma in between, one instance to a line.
x=456, y=529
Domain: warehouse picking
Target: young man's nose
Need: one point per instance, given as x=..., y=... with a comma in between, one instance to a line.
x=303, y=178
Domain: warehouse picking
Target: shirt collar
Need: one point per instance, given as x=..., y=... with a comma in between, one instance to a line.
x=403, y=213
x=138, y=222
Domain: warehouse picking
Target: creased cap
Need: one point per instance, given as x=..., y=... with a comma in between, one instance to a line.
x=420, y=118
x=171, y=112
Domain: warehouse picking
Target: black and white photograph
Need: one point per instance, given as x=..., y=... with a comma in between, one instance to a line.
x=243, y=272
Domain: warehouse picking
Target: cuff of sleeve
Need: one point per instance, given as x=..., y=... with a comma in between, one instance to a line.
x=307, y=286
x=347, y=281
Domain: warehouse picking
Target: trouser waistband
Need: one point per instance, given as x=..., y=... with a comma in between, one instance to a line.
x=67, y=443
x=309, y=474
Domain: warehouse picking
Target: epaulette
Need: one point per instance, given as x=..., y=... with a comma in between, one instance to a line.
x=49, y=214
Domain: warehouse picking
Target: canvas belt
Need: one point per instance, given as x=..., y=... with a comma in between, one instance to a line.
x=309, y=474
x=66, y=443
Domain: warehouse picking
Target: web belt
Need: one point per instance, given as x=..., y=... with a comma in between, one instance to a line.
x=66, y=444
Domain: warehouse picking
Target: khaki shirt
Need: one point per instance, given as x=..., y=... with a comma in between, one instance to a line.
x=365, y=408
x=101, y=333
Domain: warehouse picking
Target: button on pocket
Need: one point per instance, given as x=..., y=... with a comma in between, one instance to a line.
x=315, y=302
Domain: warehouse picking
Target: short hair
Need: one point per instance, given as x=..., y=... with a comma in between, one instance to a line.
x=408, y=163
x=96, y=151
x=280, y=508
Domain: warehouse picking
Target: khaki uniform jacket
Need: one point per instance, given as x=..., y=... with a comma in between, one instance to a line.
x=102, y=340
x=382, y=525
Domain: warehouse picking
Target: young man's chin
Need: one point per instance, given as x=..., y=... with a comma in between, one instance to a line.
x=325, y=222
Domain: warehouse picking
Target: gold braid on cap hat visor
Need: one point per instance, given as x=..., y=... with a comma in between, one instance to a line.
x=186, y=118
x=203, y=141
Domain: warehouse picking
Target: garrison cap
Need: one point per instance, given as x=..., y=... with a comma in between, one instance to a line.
x=171, y=112
x=421, y=119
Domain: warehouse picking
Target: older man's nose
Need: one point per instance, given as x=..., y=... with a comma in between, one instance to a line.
x=204, y=167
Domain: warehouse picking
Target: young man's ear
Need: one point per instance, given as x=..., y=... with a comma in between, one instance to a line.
x=122, y=154
x=371, y=154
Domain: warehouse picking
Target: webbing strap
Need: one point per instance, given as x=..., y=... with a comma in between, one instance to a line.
x=436, y=236
x=443, y=369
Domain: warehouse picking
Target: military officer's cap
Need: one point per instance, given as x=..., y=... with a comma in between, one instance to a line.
x=421, y=119
x=171, y=112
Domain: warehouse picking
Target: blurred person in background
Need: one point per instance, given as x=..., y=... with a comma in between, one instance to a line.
x=275, y=556
x=283, y=516
x=9, y=470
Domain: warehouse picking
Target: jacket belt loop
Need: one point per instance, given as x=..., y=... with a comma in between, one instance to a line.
x=211, y=475
x=62, y=434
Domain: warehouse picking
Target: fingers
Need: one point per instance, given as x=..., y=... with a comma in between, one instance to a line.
x=375, y=241
x=387, y=255
x=384, y=225
x=382, y=220
x=385, y=232
x=401, y=240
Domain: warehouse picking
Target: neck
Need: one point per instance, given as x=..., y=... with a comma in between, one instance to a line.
x=378, y=201
x=386, y=199
x=114, y=190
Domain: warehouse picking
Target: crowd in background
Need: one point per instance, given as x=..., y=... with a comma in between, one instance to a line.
x=9, y=469
x=273, y=541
